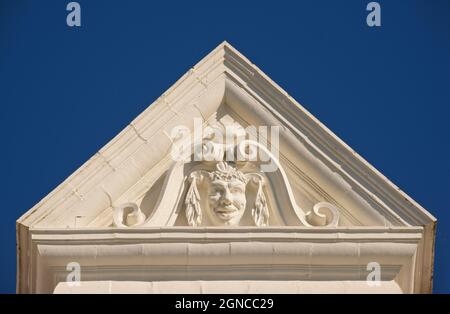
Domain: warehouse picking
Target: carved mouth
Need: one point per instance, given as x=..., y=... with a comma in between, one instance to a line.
x=226, y=212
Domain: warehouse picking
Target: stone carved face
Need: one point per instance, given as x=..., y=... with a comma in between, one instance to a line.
x=226, y=194
x=227, y=200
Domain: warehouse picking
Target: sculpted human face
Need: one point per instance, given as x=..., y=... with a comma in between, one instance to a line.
x=227, y=200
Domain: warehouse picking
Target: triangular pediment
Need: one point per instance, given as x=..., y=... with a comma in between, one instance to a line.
x=136, y=166
x=136, y=173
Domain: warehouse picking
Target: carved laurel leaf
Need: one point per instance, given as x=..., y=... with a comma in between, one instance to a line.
x=192, y=202
x=260, y=211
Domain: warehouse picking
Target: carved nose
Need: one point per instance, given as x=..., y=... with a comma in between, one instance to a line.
x=226, y=199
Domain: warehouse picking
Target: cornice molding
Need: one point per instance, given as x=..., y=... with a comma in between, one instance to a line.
x=222, y=254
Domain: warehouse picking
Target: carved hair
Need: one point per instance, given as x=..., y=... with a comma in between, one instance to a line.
x=226, y=172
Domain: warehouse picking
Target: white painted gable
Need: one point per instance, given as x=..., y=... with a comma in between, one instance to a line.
x=134, y=181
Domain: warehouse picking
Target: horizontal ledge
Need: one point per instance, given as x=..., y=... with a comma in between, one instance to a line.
x=234, y=253
x=213, y=234
x=283, y=229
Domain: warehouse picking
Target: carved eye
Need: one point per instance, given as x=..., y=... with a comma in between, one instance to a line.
x=215, y=191
x=236, y=190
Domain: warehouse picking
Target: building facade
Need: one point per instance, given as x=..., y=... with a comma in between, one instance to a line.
x=225, y=184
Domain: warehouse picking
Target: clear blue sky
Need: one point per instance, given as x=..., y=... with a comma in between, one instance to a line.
x=65, y=92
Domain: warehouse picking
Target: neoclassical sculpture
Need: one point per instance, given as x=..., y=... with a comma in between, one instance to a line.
x=226, y=190
x=223, y=183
